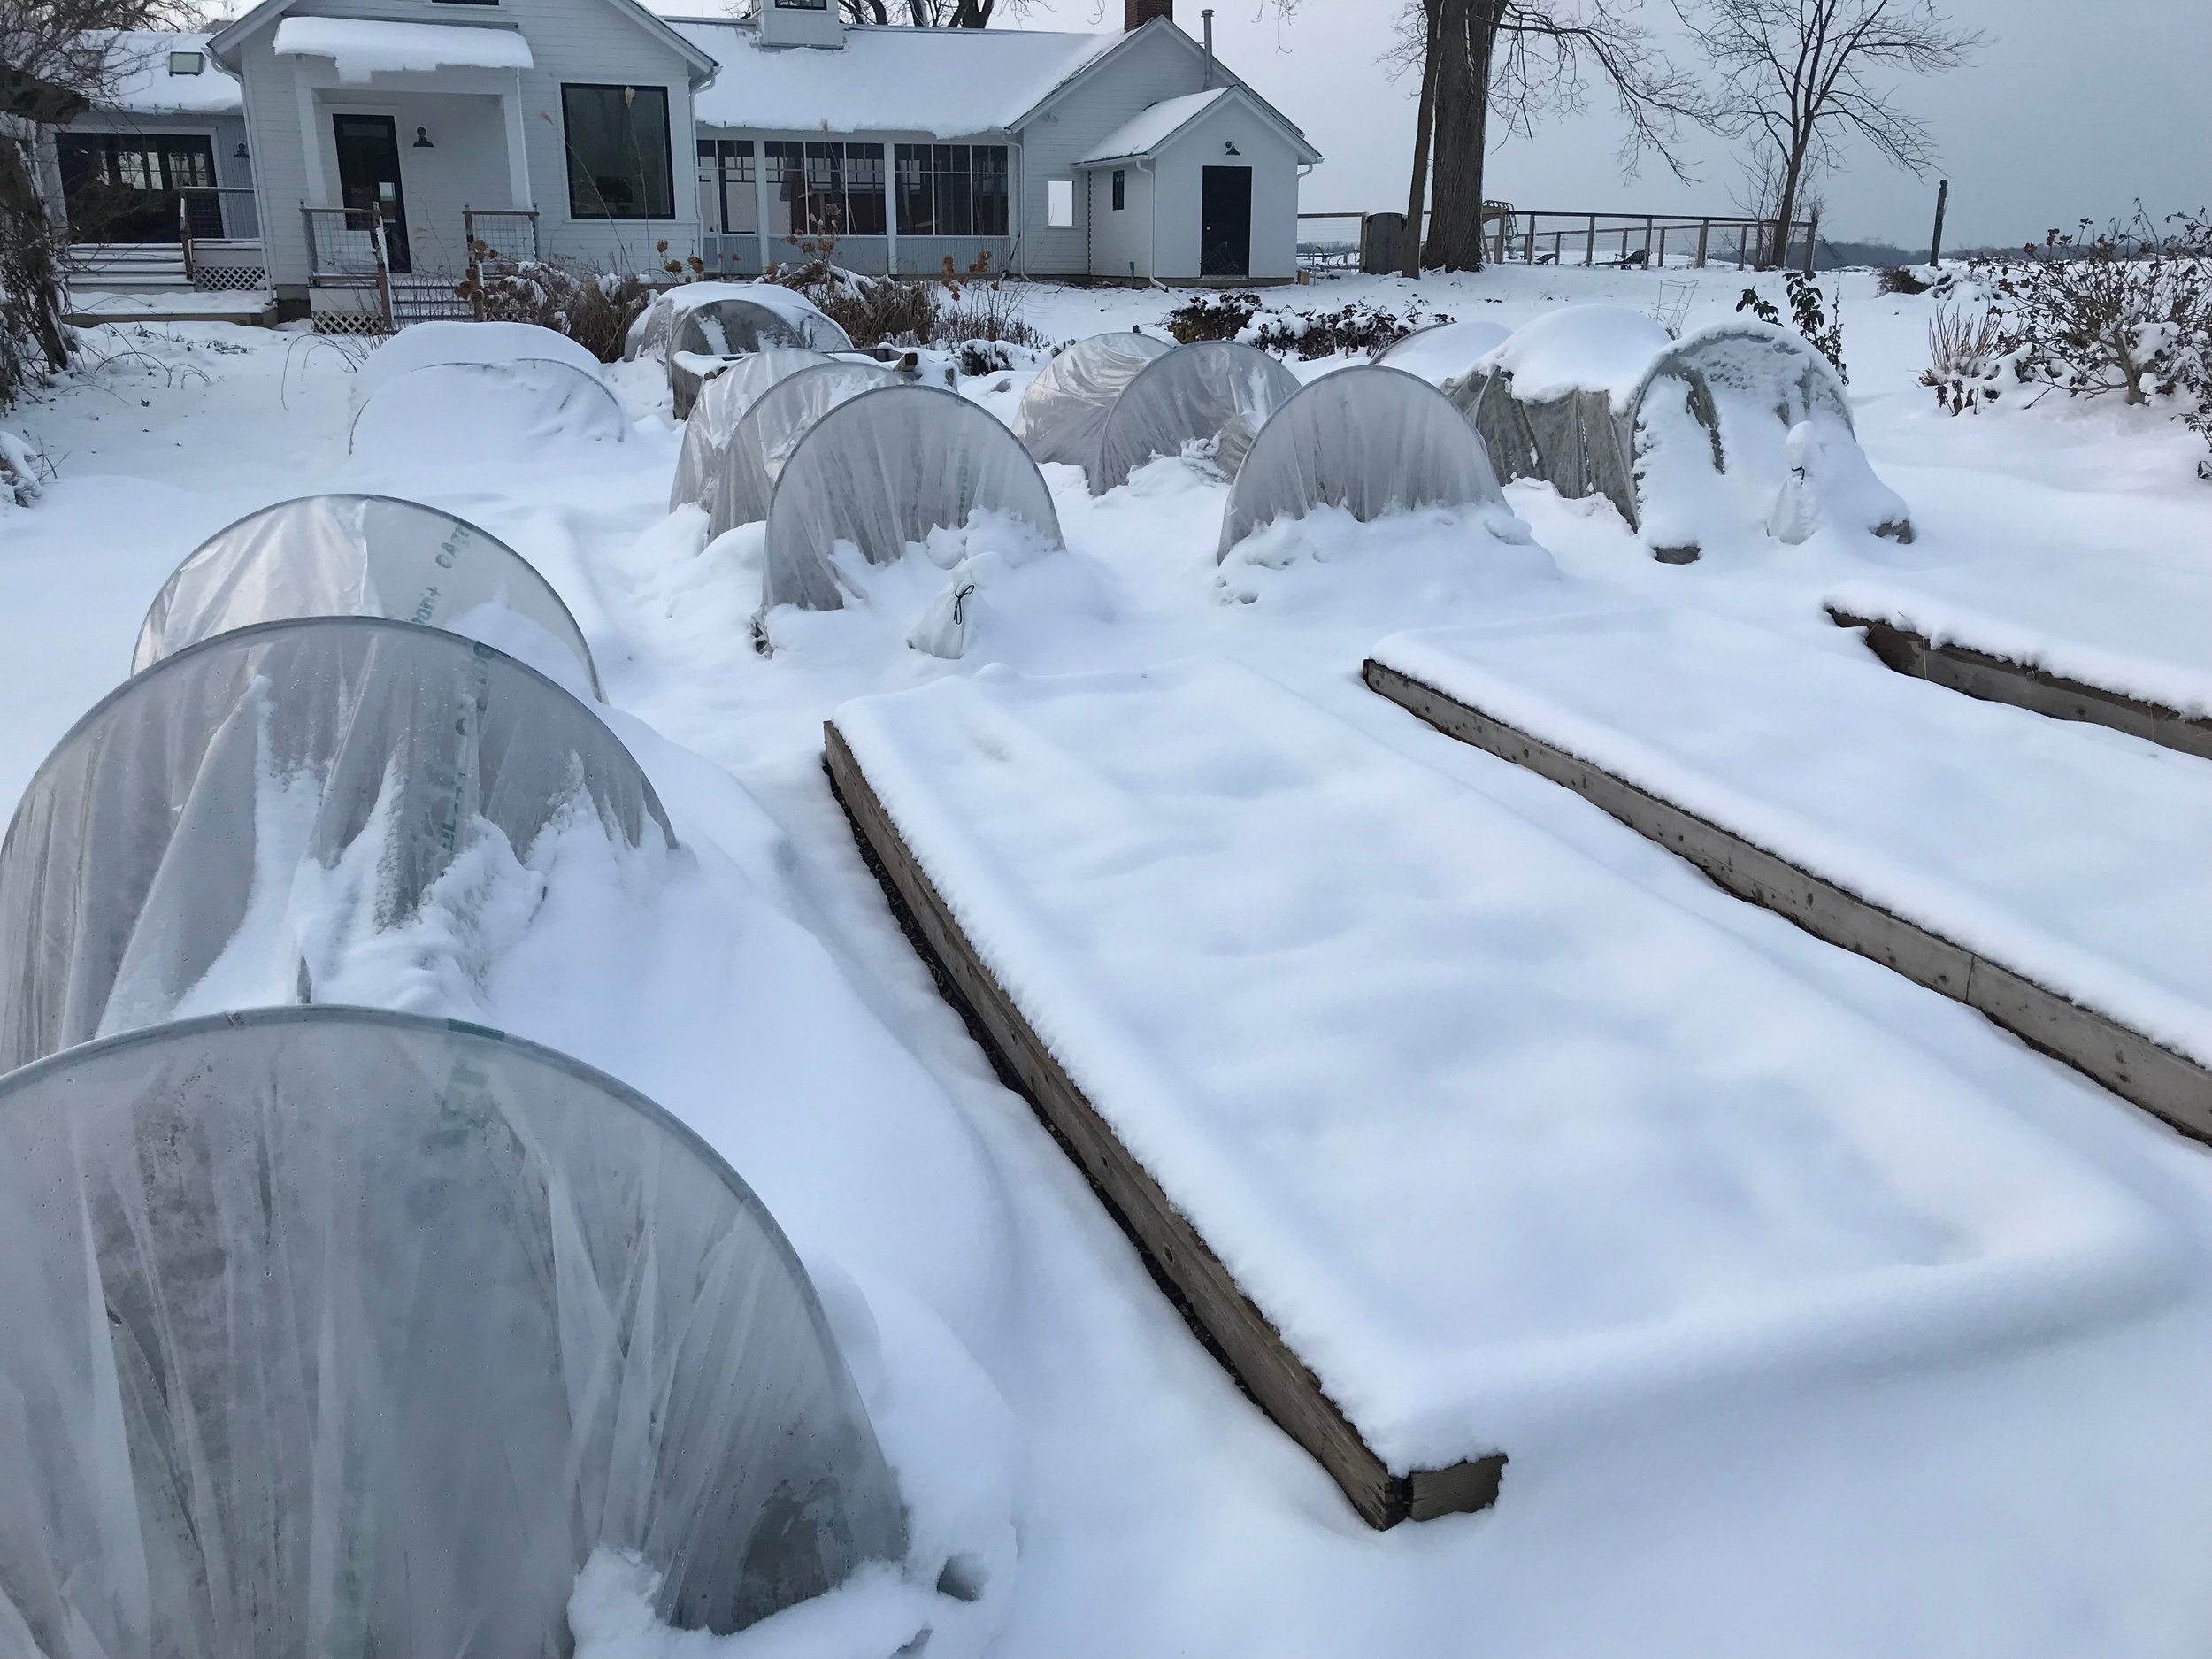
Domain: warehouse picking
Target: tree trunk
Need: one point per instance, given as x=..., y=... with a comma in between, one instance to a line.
x=27, y=260
x=1785, y=205
x=1423, y=128
x=1466, y=31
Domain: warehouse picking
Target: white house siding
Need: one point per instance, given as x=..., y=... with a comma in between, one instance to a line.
x=1149, y=67
x=1121, y=242
x=571, y=41
x=1178, y=193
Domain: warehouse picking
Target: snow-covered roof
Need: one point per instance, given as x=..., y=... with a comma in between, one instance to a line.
x=363, y=47
x=224, y=43
x=139, y=81
x=1154, y=126
x=943, y=82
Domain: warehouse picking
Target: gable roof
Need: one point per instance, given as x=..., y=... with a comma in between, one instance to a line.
x=226, y=40
x=887, y=79
x=138, y=81
x=1153, y=129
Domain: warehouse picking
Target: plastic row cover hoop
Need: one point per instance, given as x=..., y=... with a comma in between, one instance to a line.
x=884, y=469
x=1773, y=371
x=722, y=402
x=339, y=1331
x=1440, y=350
x=650, y=328
x=770, y=430
x=365, y=556
x=153, y=836
x=505, y=409
x=1368, y=438
x=1211, y=389
x=1064, y=410
x=426, y=345
x=706, y=336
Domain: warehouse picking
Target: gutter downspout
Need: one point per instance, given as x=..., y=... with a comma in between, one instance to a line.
x=1152, y=220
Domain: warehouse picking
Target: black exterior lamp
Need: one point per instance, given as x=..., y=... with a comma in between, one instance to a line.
x=422, y=139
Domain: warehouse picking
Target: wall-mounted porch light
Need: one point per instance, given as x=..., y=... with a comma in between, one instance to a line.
x=239, y=154
x=1230, y=148
x=422, y=139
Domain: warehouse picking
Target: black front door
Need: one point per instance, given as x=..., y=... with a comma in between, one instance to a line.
x=368, y=178
x=122, y=187
x=1225, y=223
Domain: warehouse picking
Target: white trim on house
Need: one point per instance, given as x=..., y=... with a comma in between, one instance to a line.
x=1161, y=125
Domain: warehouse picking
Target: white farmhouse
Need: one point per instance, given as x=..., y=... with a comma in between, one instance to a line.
x=384, y=134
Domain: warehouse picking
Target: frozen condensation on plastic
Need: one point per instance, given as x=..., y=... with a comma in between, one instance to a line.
x=344, y=765
x=1213, y=391
x=336, y=1330
x=1063, y=412
x=769, y=431
x=721, y=402
x=882, y=471
x=1368, y=438
x=362, y=556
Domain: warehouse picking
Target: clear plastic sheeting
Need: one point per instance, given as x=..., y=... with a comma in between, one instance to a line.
x=1370, y=440
x=881, y=472
x=1062, y=413
x=486, y=411
x=224, y=828
x=1442, y=351
x=772, y=429
x=426, y=345
x=338, y=1332
x=1216, y=392
x=653, y=332
x=721, y=403
x=366, y=555
x=703, y=339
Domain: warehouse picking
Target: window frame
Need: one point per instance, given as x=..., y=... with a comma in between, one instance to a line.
x=953, y=191
x=605, y=213
x=1059, y=204
x=1120, y=189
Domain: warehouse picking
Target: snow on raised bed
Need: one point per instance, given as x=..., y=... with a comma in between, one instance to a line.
x=2072, y=857
x=1413, y=1069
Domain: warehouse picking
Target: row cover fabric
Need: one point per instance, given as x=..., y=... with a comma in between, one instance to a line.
x=194, y=799
x=704, y=338
x=722, y=402
x=771, y=428
x=365, y=556
x=882, y=471
x=654, y=327
x=514, y=411
x=343, y=1331
x=1368, y=438
x=1442, y=351
x=1212, y=391
x=1063, y=412
x=426, y=345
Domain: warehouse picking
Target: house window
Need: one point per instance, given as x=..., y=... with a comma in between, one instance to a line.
x=729, y=197
x=801, y=5
x=618, y=161
x=1060, y=203
x=952, y=189
x=823, y=188
x=1120, y=187
x=185, y=63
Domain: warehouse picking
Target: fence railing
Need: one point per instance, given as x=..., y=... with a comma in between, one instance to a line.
x=499, y=238
x=1350, y=242
x=345, y=249
x=210, y=218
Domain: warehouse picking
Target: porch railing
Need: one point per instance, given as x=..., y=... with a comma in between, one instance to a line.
x=1340, y=242
x=500, y=238
x=223, y=259
x=345, y=249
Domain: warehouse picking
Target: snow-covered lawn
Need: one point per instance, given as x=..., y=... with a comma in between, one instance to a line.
x=2044, y=1488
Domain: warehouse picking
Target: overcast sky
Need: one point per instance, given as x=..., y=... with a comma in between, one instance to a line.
x=2075, y=108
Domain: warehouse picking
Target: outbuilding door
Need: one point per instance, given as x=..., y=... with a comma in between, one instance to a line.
x=1225, y=229
x=368, y=178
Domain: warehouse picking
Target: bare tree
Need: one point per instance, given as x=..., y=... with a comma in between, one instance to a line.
x=1493, y=68
x=932, y=14
x=1797, y=77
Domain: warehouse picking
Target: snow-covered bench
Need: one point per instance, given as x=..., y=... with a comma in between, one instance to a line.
x=1446, y=1134
x=2054, y=879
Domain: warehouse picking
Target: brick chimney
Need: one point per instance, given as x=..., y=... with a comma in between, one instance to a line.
x=1136, y=13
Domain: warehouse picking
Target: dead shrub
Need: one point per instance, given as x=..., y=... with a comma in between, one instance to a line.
x=1967, y=355
x=1899, y=278
x=951, y=310
x=592, y=308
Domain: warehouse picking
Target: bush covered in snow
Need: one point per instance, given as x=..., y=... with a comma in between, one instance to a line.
x=972, y=313
x=592, y=308
x=1363, y=328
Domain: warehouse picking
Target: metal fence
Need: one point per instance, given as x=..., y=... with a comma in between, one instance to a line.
x=218, y=237
x=345, y=251
x=1343, y=241
x=500, y=238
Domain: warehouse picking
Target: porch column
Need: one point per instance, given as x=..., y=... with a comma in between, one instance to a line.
x=310, y=139
x=890, y=211
x=517, y=147
x=760, y=200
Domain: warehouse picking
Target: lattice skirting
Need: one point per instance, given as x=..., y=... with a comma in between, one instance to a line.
x=349, y=323
x=227, y=279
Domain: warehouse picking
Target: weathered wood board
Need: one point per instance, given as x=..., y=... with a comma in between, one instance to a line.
x=1238, y=1333
x=2024, y=685
x=2131, y=1064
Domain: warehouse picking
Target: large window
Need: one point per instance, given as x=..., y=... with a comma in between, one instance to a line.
x=729, y=200
x=952, y=189
x=618, y=162
x=824, y=188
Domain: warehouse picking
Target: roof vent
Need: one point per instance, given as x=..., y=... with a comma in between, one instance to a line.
x=1136, y=13
x=192, y=62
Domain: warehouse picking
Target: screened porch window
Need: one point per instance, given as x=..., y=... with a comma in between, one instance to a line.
x=952, y=189
x=618, y=161
x=824, y=187
x=729, y=198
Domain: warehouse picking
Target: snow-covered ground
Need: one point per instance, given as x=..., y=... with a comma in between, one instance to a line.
x=2045, y=1491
